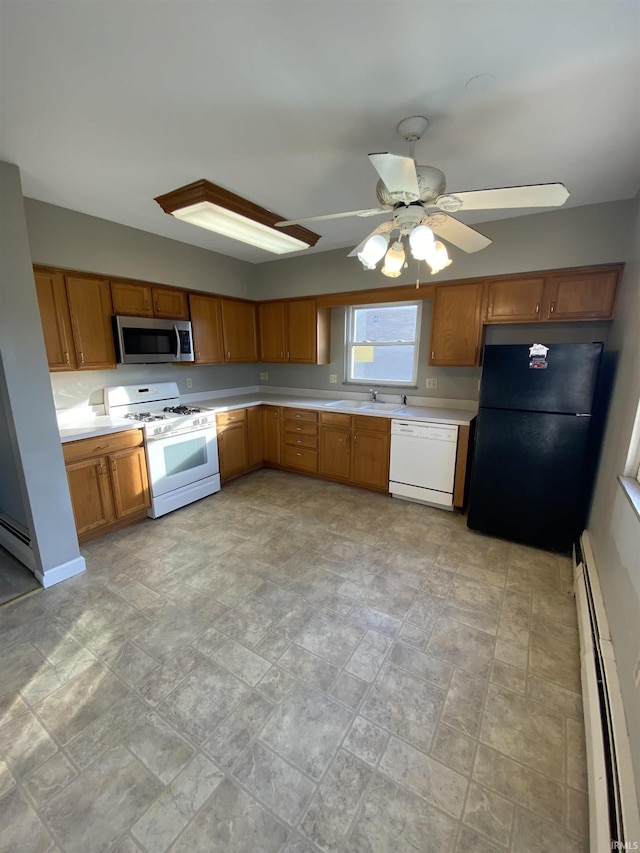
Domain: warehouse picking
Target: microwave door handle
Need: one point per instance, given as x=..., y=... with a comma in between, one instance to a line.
x=175, y=328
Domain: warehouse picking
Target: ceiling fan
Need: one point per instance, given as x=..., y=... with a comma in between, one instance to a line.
x=421, y=208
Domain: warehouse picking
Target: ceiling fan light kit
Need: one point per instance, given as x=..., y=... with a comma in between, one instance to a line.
x=209, y=206
x=410, y=192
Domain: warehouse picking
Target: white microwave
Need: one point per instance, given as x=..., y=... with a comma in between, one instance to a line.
x=146, y=340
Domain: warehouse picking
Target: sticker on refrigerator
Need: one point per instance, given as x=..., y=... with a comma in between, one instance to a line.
x=538, y=357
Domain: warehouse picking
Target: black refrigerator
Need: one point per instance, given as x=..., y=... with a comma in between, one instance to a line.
x=536, y=443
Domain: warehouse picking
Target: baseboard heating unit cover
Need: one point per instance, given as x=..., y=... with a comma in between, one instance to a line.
x=614, y=822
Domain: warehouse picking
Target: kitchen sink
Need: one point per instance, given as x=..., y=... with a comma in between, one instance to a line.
x=364, y=405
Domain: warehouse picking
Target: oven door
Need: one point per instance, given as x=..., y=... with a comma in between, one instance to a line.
x=180, y=460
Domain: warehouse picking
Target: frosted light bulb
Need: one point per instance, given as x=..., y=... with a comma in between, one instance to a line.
x=438, y=258
x=421, y=242
x=373, y=250
x=394, y=259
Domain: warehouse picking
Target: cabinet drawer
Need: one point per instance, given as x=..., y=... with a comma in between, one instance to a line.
x=336, y=419
x=296, y=440
x=300, y=427
x=86, y=448
x=303, y=460
x=237, y=416
x=301, y=415
x=373, y=424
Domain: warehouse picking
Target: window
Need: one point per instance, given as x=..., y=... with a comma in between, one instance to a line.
x=382, y=343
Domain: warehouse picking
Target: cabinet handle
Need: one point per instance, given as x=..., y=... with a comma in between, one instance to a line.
x=287, y=355
x=102, y=469
x=228, y=354
x=299, y=429
x=298, y=415
x=281, y=355
x=66, y=358
x=433, y=354
x=552, y=308
x=355, y=437
x=114, y=465
x=198, y=354
x=81, y=354
x=298, y=454
x=537, y=307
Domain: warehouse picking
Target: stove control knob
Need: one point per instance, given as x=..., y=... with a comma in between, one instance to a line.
x=157, y=430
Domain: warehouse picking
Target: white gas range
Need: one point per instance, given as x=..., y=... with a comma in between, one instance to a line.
x=181, y=442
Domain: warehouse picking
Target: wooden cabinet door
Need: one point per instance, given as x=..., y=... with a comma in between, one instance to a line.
x=302, y=328
x=129, y=481
x=90, y=492
x=335, y=452
x=370, y=459
x=271, y=434
x=90, y=310
x=514, y=300
x=239, y=331
x=170, y=304
x=272, y=330
x=232, y=450
x=581, y=296
x=254, y=436
x=456, y=325
x=206, y=324
x=131, y=299
x=56, y=322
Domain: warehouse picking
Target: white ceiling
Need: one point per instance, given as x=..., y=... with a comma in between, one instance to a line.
x=109, y=103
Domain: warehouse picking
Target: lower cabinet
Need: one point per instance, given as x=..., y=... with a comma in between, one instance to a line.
x=300, y=440
x=355, y=449
x=255, y=452
x=271, y=416
x=233, y=450
x=108, y=482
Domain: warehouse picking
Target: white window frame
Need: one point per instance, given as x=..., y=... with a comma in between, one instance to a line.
x=350, y=343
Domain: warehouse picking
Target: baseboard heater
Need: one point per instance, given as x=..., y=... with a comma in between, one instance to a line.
x=614, y=822
x=15, y=538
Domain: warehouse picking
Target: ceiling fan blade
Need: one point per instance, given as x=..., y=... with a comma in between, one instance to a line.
x=381, y=229
x=398, y=175
x=374, y=211
x=535, y=195
x=461, y=235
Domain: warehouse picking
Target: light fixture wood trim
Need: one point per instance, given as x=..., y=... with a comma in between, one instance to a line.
x=202, y=190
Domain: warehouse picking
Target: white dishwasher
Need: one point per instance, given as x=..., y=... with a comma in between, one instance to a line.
x=423, y=462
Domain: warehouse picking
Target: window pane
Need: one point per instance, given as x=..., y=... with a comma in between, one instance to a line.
x=379, y=323
x=382, y=363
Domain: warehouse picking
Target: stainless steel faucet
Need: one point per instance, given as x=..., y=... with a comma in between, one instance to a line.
x=374, y=394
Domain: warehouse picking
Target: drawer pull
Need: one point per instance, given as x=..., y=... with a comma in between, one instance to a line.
x=102, y=447
x=298, y=415
x=298, y=454
x=537, y=307
x=553, y=308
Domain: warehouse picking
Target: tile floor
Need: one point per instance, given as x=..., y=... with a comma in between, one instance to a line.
x=295, y=666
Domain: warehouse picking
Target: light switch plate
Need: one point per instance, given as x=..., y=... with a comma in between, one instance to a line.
x=189, y=383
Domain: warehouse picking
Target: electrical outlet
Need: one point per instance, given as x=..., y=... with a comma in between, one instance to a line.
x=432, y=382
x=189, y=383
x=264, y=375
x=333, y=379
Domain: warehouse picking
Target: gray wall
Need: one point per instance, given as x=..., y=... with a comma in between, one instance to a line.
x=12, y=498
x=64, y=238
x=614, y=527
x=29, y=409
x=580, y=236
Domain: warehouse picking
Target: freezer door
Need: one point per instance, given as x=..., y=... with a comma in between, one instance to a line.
x=566, y=384
x=529, y=478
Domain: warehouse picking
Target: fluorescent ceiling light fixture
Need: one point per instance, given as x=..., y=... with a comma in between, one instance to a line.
x=208, y=206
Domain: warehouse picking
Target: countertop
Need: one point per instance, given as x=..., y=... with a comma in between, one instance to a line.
x=83, y=425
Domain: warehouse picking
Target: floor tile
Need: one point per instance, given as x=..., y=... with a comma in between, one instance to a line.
x=335, y=803
x=232, y=822
x=20, y=827
x=319, y=724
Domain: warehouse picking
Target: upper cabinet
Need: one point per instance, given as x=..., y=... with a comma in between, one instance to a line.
x=514, y=300
x=574, y=294
x=294, y=331
x=137, y=299
x=586, y=295
x=239, y=330
x=206, y=323
x=76, y=318
x=456, y=324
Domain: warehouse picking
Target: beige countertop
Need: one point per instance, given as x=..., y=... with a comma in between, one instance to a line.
x=91, y=426
x=432, y=414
